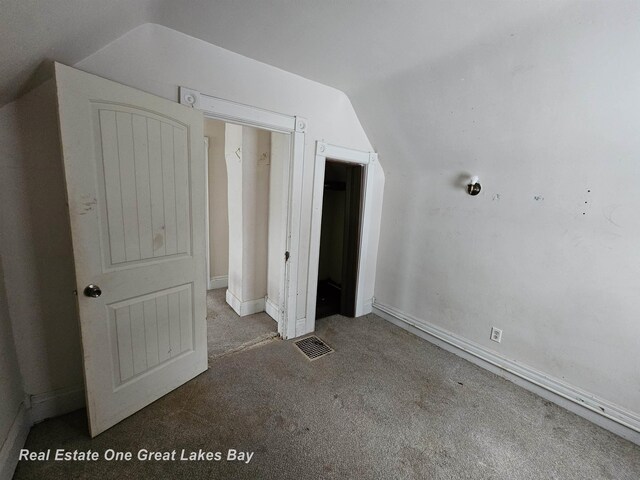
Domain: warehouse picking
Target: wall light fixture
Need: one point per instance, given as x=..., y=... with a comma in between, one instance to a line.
x=473, y=188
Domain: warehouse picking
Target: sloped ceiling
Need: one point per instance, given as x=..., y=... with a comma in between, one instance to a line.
x=345, y=44
x=33, y=32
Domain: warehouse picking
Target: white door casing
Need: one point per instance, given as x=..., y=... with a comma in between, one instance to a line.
x=135, y=175
x=326, y=151
x=289, y=325
x=207, y=248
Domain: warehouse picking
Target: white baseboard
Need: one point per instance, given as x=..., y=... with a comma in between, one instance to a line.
x=245, y=308
x=597, y=410
x=58, y=402
x=36, y=409
x=218, y=282
x=272, y=309
x=15, y=440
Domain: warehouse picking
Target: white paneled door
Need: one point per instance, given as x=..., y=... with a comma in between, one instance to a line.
x=135, y=174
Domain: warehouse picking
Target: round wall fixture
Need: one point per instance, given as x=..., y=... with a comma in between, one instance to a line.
x=474, y=187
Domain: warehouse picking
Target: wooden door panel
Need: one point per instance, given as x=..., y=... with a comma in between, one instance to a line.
x=134, y=169
x=150, y=330
x=144, y=176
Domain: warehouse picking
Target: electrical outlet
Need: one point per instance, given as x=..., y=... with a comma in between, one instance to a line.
x=496, y=334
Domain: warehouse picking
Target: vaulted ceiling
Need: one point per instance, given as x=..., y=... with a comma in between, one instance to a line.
x=345, y=44
x=33, y=32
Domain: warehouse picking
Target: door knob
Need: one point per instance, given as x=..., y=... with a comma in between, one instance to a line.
x=92, y=290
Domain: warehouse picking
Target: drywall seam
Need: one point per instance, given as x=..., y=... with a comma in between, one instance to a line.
x=15, y=440
x=597, y=410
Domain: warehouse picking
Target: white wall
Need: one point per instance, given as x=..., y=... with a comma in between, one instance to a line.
x=247, y=153
x=256, y=150
x=37, y=251
x=233, y=158
x=546, y=113
x=218, y=202
x=37, y=304
x=36, y=246
x=11, y=391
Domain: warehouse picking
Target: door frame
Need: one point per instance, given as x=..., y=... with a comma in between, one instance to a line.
x=296, y=126
x=206, y=211
x=336, y=153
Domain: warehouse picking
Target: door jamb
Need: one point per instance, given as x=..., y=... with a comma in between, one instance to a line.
x=206, y=211
x=230, y=111
x=326, y=151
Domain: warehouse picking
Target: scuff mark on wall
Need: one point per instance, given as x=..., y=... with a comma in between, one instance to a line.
x=608, y=213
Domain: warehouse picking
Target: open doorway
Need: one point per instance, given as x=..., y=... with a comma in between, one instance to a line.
x=364, y=184
x=339, y=239
x=246, y=234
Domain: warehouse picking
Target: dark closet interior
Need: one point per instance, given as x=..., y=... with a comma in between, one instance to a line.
x=339, y=239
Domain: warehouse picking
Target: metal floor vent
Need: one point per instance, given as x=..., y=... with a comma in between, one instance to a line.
x=313, y=347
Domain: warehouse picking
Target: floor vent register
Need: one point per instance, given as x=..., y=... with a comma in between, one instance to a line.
x=313, y=347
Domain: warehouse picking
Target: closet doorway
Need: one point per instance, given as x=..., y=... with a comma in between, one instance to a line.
x=339, y=239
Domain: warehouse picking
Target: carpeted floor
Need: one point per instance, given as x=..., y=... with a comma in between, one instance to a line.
x=384, y=405
x=228, y=332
